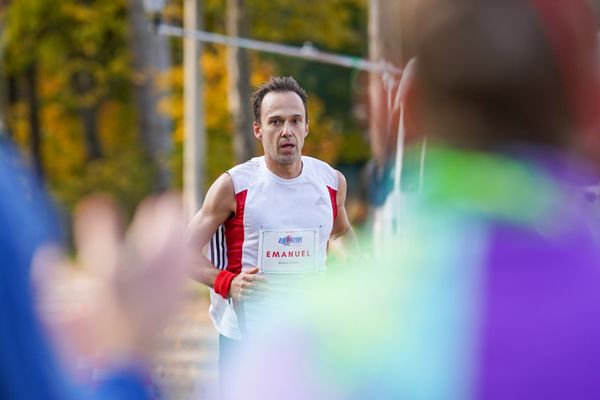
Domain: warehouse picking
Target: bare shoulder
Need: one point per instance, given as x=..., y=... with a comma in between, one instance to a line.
x=221, y=191
x=342, y=187
x=341, y=179
x=218, y=205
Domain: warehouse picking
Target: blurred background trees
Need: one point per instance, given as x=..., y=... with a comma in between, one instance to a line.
x=95, y=99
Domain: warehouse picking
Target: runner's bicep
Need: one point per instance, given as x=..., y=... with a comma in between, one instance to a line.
x=218, y=206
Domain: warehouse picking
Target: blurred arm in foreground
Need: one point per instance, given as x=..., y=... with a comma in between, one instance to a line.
x=138, y=283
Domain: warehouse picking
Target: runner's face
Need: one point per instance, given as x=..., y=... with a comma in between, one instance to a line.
x=282, y=127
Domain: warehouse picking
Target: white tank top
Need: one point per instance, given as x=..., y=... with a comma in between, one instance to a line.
x=281, y=225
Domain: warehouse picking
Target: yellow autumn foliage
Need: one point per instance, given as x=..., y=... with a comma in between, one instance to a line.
x=66, y=37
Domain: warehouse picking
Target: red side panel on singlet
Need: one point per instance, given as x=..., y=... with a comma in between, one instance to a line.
x=234, y=233
x=333, y=197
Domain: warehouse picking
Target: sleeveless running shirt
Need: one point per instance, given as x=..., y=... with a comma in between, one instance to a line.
x=280, y=225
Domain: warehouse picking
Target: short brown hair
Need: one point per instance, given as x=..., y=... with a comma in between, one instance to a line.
x=277, y=84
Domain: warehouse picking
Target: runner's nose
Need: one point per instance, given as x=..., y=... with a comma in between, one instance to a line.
x=286, y=130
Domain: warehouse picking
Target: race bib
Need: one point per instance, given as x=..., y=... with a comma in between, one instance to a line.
x=287, y=251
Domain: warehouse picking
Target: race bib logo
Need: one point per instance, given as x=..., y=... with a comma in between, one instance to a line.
x=290, y=240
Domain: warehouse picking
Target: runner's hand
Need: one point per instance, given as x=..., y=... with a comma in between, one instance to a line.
x=245, y=285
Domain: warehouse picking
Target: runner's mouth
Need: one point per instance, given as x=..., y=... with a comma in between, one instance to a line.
x=288, y=146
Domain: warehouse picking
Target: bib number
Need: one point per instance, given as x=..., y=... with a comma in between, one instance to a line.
x=287, y=251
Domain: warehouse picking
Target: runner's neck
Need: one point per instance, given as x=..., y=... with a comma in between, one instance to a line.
x=284, y=171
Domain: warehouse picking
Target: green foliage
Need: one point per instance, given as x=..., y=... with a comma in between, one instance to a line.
x=333, y=25
x=326, y=23
x=83, y=53
x=123, y=171
x=354, y=149
x=83, y=58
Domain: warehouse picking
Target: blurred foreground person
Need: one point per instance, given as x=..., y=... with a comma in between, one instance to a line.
x=492, y=287
x=127, y=313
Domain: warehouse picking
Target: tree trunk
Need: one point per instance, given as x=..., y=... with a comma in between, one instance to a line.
x=151, y=56
x=35, y=138
x=238, y=68
x=7, y=82
x=4, y=104
x=83, y=83
x=10, y=95
x=89, y=119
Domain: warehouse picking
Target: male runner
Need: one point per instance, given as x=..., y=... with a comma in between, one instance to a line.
x=270, y=219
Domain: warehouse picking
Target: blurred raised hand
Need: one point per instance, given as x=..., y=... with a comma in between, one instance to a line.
x=133, y=280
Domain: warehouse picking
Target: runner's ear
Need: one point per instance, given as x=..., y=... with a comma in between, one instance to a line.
x=257, y=131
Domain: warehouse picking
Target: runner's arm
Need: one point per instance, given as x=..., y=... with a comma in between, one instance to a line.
x=343, y=239
x=219, y=205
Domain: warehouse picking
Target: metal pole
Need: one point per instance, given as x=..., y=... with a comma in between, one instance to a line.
x=307, y=52
x=194, y=147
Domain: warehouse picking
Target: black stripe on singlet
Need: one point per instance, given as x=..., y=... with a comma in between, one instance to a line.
x=211, y=248
x=218, y=248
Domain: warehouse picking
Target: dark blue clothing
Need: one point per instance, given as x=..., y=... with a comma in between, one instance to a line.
x=28, y=367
